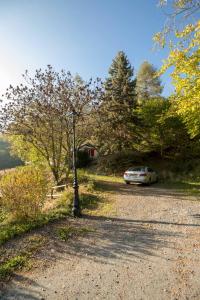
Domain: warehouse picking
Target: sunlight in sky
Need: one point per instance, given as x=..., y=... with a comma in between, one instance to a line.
x=80, y=36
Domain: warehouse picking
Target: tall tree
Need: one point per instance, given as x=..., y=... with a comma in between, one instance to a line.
x=116, y=108
x=148, y=85
x=159, y=129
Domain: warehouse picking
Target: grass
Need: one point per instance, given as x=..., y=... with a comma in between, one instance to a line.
x=13, y=229
x=91, y=197
x=89, y=201
x=86, y=175
x=3, y=215
x=64, y=233
x=12, y=264
x=107, y=178
x=21, y=259
x=191, y=188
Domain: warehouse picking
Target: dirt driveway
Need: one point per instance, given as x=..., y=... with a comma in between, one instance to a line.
x=149, y=250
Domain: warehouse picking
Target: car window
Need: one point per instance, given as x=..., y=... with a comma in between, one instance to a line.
x=137, y=169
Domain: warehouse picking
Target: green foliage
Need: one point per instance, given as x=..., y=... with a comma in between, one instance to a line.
x=10, y=228
x=178, y=14
x=43, y=125
x=118, y=162
x=160, y=128
x=183, y=59
x=15, y=263
x=88, y=199
x=24, y=191
x=13, y=229
x=6, y=160
x=21, y=258
x=25, y=150
x=64, y=233
x=83, y=176
x=185, y=77
x=115, y=120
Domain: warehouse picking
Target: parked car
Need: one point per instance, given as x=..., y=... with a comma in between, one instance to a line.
x=141, y=174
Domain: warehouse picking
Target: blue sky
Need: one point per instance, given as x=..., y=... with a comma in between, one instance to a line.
x=82, y=36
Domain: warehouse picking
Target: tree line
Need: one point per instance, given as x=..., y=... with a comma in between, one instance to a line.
x=122, y=113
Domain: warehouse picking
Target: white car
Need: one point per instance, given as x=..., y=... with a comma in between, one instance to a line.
x=142, y=174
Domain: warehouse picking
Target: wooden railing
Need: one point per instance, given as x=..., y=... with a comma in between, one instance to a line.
x=55, y=188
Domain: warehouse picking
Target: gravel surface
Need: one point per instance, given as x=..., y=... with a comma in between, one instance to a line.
x=149, y=250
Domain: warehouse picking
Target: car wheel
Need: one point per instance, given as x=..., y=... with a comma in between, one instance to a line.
x=127, y=182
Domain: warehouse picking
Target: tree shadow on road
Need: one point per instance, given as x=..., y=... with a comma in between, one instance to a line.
x=31, y=291
x=114, y=239
x=111, y=241
x=168, y=191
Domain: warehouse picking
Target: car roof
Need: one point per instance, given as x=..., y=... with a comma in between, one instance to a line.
x=137, y=167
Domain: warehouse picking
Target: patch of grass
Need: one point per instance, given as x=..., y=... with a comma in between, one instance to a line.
x=12, y=264
x=64, y=233
x=187, y=187
x=11, y=230
x=3, y=215
x=90, y=200
x=107, y=178
x=33, y=243
x=20, y=260
x=85, y=176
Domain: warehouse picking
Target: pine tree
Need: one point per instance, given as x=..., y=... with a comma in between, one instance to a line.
x=118, y=103
x=148, y=85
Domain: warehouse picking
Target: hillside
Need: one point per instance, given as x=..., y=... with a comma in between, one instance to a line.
x=6, y=160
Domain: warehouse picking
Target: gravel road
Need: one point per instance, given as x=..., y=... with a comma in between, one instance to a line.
x=149, y=250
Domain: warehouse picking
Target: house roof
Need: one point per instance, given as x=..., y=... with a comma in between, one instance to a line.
x=87, y=145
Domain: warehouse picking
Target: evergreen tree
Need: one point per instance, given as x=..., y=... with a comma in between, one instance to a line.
x=148, y=85
x=118, y=104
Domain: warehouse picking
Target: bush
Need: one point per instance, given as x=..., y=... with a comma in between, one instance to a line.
x=24, y=192
x=117, y=162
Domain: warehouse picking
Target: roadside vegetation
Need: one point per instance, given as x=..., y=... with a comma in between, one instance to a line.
x=23, y=209
x=7, y=160
x=17, y=222
x=125, y=117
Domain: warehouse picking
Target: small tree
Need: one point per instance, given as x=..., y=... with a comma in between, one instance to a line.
x=39, y=112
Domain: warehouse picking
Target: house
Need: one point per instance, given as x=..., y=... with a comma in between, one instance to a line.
x=90, y=149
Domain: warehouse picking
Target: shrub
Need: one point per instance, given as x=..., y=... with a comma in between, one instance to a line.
x=24, y=191
x=83, y=177
x=117, y=162
x=66, y=199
